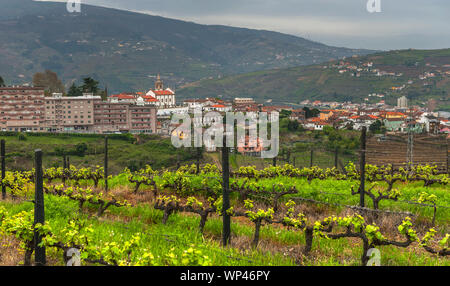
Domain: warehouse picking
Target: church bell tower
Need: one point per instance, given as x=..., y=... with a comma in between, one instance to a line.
x=159, y=83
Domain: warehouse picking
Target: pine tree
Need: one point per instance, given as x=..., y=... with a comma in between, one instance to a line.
x=90, y=85
x=74, y=91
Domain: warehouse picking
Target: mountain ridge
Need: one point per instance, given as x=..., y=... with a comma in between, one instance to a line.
x=125, y=49
x=418, y=74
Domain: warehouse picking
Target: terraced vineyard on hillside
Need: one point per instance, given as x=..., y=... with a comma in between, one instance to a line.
x=392, y=149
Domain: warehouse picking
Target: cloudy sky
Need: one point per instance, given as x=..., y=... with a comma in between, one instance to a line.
x=401, y=24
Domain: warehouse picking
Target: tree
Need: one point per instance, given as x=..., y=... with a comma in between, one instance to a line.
x=74, y=91
x=293, y=125
x=80, y=149
x=103, y=94
x=90, y=85
x=2, y=82
x=285, y=113
x=311, y=112
x=375, y=127
x=349, y=126
x=49, y=81
x=329, y=130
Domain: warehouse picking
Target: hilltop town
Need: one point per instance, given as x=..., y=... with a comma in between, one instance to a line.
x=27, y=109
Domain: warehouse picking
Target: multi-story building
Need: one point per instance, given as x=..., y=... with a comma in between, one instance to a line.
x=22, y=109
x=27, y=109
x=402, y=102
x=143, y=119
x=248, y=101
x=68, y=114
x=123, y=117
x=299, y=115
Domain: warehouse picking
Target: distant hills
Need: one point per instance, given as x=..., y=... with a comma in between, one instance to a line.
x=417, y=74
x=125, y=50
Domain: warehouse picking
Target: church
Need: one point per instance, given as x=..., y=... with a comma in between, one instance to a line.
x=165, y=97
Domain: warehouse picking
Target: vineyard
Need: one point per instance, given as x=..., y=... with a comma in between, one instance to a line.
x=393, y=150
x=280, y=215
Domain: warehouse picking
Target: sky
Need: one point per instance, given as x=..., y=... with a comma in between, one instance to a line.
x=401, y=24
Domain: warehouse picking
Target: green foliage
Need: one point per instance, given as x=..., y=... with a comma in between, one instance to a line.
x=22, y=137
x=376, y=127
x=406, y=229
x=425, y=197
x=293, y=125
x=74, y=91
x=326, y=84
x=90, y=85
x=309, y=113
x=81, y=149
x=285, y=113
x=190, y=257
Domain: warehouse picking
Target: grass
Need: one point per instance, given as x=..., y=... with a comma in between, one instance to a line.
x=278, y=246
x=339, y=192
x=178, y=235
x=153, y=150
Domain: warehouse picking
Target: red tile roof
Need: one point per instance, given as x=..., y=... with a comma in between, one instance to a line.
x=162, y=92
x=149, y=98
x=395, y=113
x=123, y=96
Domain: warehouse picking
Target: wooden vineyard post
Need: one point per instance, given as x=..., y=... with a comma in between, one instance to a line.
x=2, y=156
x=336, y=158
x=294, y=161
x=106, y=163
x=362, y=166
x=39, y=212
x=64, y=168
x=274, y=161
x=226, y=233
x=199, y=154
x=448, y=171
x=312, y=158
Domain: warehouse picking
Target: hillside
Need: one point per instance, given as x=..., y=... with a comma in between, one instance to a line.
x=125, y=50
x=358, y=79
